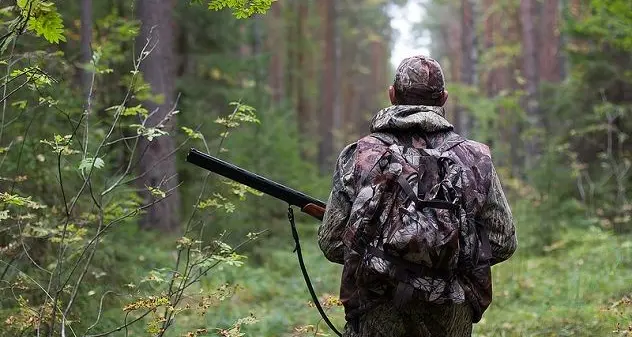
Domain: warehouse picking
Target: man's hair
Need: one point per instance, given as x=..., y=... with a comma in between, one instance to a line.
x=419, y=81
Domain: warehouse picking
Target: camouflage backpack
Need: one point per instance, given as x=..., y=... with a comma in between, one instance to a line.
x=408, y=220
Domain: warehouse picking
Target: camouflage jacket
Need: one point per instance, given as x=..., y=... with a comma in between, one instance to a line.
x=486, y=202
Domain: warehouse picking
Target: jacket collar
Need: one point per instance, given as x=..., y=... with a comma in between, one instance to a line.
x=419, y=118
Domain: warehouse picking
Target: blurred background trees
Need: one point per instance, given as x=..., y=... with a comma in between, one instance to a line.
x=545, y=83
x=102, y=99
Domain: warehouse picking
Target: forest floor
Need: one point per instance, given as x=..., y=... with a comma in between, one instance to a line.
x=580, y=286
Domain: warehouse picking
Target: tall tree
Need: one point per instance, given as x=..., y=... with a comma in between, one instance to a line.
x=469, y=55
x=86, y=46
x=302, y=103
x=455, y=57
x=274, y=46
x=530, y=66
x=156, y=163
x=550, y=58
x=328, y=92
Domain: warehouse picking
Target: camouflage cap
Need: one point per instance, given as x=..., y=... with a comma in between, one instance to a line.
x=419, y=79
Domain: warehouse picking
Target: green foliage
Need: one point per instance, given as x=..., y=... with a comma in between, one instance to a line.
x=68, y=197
x=608, y=24
x=43, y=19
x=241, y=8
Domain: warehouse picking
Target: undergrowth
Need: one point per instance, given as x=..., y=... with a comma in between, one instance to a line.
x=578, y=287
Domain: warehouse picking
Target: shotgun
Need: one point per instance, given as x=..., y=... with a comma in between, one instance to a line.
x=307, y=204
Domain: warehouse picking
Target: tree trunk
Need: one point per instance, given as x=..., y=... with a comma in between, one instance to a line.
x=276, y=49
x=468, y=55
x=530, y=68
x=291, y=37
x=86, y=47
x=490, y=80
x=157, y=161
x=455, y=56
x=549, y=42
x=301, y=96
x=328, y=93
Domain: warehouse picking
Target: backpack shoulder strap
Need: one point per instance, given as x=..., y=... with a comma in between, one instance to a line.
x=384, y=156
x=385, y=138
x=452, y=140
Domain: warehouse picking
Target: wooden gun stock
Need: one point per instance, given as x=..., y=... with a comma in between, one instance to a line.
x=314, y=210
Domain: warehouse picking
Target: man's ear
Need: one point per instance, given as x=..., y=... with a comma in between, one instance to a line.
x=391, y=95
x=444, y=98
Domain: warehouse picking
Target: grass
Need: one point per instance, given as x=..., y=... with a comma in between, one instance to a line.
x=580, y=286
x=576, y=289
x=571, y=291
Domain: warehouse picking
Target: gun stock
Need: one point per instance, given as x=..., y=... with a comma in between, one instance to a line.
x=307, y=204
x=316, y=211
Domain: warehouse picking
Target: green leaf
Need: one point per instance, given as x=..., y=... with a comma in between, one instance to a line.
x=240, y=190
x=156, y=191
x=61, y=144
x=135, y=110
x=219, y=202
x=4, y=215
x=44, y=20
x=241, y=8
x=20, y=104
x=150, y=133
x=192, y=133
x=87, y=163
x=16, y=200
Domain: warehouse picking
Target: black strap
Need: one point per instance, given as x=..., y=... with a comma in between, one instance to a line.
x=297, y=249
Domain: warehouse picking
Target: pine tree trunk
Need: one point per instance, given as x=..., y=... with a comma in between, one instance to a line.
x=86, y=47
x=302, y=103
x=455, y=55
x=328, y=93
x=468, y=55
x=489, y=83
x=157, y=160
x=530, y=68
x=276, y=49
x=549, y=46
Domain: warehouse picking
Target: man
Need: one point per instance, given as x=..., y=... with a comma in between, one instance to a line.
x=416, y=119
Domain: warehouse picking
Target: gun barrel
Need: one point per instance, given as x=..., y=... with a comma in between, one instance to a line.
x=253, y=180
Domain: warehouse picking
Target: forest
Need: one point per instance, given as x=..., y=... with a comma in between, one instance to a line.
x=106, y=230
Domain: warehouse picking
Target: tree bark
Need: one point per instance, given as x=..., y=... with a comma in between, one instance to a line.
x=468, y=55
x=530, y=70
x=489, y=71
x=157, y=159
x=86, y=47
x=328, y=93
x=276, y=49
x=455, y=57
x=550, y=70
x=301, y=96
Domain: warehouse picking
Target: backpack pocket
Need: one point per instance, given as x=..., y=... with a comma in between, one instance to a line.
x=427, y=237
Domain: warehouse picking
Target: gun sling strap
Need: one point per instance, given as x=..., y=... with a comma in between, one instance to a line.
x=299, y=254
